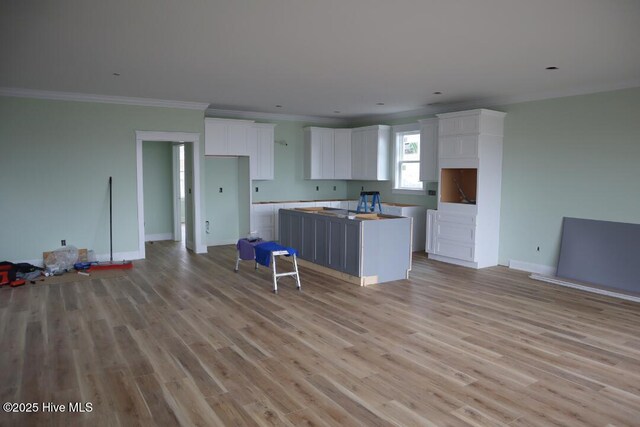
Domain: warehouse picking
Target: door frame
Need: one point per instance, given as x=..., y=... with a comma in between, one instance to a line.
x=177, y=208
x=182, y=137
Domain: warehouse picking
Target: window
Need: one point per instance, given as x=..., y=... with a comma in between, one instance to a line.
x=407, y=160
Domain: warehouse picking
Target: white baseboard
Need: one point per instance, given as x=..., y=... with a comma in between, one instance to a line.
x=202, y=249
x=469, y=264
x=117, y=256
x=545, y=270
x=557, y=281
x=158, y=237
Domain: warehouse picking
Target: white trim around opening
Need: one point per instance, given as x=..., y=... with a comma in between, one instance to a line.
x=182, y=137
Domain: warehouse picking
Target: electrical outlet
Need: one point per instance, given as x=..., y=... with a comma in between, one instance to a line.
x=432, y=192
x=317, y=188
x=334, y=188
x=538, y=249
x=257, y=189
x=220, y=190
x=63, y=242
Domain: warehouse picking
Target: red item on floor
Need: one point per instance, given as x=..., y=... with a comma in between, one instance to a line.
x=18, y=282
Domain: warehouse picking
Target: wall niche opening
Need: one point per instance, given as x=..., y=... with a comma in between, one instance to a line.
x=459, y=185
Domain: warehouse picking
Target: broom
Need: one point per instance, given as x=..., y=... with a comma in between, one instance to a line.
x=111, y=264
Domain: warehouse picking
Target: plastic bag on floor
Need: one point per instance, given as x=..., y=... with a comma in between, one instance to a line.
x=61, y=259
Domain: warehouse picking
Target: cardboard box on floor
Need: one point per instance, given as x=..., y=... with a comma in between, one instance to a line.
x=82, y=255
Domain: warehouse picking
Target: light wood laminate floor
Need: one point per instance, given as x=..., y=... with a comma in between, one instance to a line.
x=183, y=340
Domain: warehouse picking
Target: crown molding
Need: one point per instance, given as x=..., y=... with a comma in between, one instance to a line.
x=490, y=102
x=239, y=114
x=103, y=99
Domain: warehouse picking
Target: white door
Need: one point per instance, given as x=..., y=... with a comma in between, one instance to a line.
x=327, y=150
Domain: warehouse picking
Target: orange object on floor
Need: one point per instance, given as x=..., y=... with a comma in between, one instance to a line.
x=124, y=265
x=18, y=282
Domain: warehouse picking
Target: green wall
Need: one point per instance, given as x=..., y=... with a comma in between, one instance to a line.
x=157, y=167
x=222, y=208
x=56, y=159
x=577, y=156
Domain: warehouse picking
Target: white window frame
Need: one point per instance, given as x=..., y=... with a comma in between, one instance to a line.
x=397, y=131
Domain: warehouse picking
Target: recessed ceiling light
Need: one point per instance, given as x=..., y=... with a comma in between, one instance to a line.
x=380, y=103
x=437, y=93
x=278, y=106
x=551, y=68
x=337, y=112
x=116, y=74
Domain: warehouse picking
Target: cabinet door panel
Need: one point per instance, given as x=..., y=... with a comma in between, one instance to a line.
x=327, y=168
x=238, y=140
x=454, y=249
x=459, y=125
x=468, y=146
x=429, y=151
x=431, y=232
x=215, y=139
x=307, y=250
x=356, y=155
x=342, y=153
x=284, y=228
x=335, y=256
x=252, y=152
x=458, y=233
x=296, y=232
x=322, y=241
x=265, y=153
x=352, y=249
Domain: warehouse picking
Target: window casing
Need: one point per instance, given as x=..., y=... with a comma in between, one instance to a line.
x=407, y=162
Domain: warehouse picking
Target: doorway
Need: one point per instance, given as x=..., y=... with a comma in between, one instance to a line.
x=192, y=203
x=179, y=193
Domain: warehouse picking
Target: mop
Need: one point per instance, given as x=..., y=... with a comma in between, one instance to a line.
x=111, y=264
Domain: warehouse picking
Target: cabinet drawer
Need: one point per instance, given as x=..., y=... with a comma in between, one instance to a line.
x=456, y=218
x=454, y=249
x=456, y=232
x=458, y=125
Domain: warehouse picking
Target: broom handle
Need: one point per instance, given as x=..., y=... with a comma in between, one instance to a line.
x=110, y=221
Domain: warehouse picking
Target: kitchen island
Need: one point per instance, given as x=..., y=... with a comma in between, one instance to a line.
x=359, y=248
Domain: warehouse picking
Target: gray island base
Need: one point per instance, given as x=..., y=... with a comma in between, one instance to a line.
x=359, y=248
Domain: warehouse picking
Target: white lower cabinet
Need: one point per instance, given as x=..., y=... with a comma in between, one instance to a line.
x=451, y=235
x=417, y=213
x=262, y=220
x=430, y=237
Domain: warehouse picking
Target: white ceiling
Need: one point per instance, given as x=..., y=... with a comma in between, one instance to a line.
x=316, y=56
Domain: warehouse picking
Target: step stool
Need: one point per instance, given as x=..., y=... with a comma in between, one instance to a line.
x=247, y=251
x=363, y=204
x=277, y=276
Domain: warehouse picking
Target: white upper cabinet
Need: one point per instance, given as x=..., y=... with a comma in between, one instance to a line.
x=370, y=153
x=265, y=146
x=429, y=150
x=228, y=137
x=342, y=153
x=324, y=156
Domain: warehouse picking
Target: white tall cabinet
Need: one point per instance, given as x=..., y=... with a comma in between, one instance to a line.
x=428, y=150
x=465, y=229
x=230, y=137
